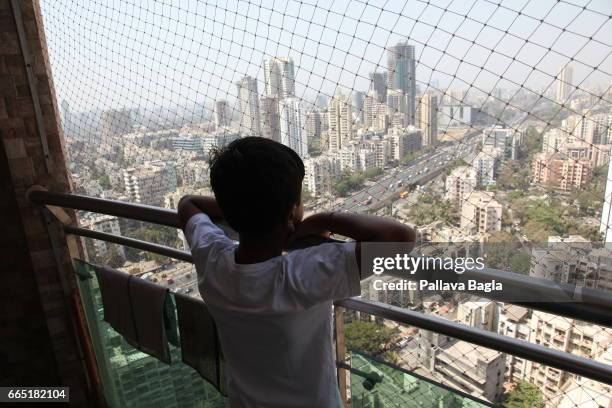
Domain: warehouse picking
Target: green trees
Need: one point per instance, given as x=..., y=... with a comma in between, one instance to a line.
x=353, y=181
x=430, y=208
x=370, y=338
x=524, y=395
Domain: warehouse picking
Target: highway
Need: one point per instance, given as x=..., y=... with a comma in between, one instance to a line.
x=400, y=178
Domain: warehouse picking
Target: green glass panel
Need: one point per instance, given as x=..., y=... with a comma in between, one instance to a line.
x=398, y=388
x=132, y=378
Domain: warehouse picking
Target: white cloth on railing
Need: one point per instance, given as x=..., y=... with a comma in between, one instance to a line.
x=134, y=307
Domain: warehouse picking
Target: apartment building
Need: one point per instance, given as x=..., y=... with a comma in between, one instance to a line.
x=567, y=335
x=321, y=173
x=102, y=223
x=481, y=314
x=148, y=184
x=486, y=163
x=460, y=184
x=481, y=213
x=514, y=321
x=560, y=171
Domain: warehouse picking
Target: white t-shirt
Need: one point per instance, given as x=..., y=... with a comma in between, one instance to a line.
x=274, y=317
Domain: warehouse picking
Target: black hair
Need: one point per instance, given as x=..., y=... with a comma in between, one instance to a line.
x=256, y=181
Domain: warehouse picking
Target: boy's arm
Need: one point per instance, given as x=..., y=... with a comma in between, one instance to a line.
x=359, y=227
x=191, y=205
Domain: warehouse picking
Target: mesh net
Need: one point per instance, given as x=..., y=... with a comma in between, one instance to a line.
x=475, y=121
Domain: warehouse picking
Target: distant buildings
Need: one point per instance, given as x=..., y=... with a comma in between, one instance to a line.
x=378, y=85
x=292, y=124
x=404, y=141
x=460, y=183
x=314, y=124
x=340, y=130
x=270, y=117
x=427, y=118
x=321, y=173
x=279, y=77
x=486, y=163
x=605, y=226
x=114, y=123
x=222, y=113
x=374, y=113
x=149, y=183
x=454, y=115
x=564, y=84
x=507, y=140
x=561, y=172
x=481, y=213
x=102, y=223
x=401, y=74
x=248, y=98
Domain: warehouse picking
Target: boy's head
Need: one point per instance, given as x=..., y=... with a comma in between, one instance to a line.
x=258, y=185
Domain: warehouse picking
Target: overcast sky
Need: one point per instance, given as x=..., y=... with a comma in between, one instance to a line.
x=111, y=53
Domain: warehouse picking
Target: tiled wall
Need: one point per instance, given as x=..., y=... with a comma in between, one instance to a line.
x=38, y=344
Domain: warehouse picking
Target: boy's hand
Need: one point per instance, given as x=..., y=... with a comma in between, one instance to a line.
x=314, y=226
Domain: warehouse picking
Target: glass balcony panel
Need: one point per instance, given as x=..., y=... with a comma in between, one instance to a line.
x=134, y=379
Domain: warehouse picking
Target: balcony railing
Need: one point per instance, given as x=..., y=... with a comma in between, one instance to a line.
x=370, y=380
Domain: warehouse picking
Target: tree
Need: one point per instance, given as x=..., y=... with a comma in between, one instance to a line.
x=370, y=338
x=524, y=395
x=113, y=257
x=373, y=172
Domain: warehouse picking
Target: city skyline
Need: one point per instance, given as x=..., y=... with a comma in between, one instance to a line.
x=212, y=75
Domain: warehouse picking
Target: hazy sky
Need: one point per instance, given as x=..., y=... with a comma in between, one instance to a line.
x=111, y=53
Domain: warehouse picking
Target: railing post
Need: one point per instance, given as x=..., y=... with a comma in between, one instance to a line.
x=341, y=352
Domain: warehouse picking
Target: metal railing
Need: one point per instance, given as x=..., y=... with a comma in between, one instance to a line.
x=595, y=307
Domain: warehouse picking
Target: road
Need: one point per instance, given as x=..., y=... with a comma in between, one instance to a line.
x=386, y=188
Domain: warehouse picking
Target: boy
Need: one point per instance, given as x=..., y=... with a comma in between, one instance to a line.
x=273, y=310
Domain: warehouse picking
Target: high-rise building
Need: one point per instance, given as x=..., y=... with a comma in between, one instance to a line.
x=248, y=98
x=397, y=106
x=378, y=84
x=340, y=116
x=279, y=77
x=113, y=124
x=481, y=213
x=313, y=124
x=564, y=84
x=222, y=113
x=270, y=117
x=292, y=123
x=357, y=98
x=374, y=113
x=401, y=66
x=427, y=118
x=605, y=226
